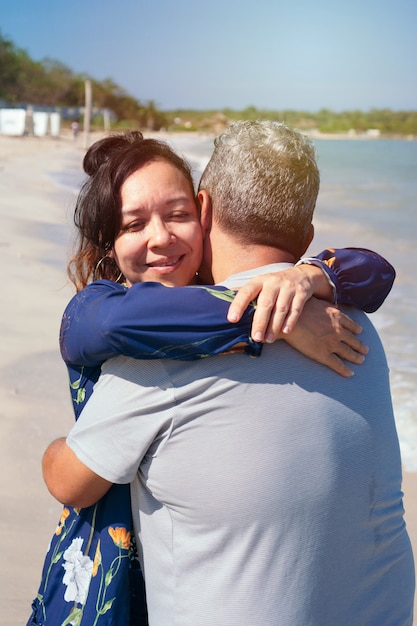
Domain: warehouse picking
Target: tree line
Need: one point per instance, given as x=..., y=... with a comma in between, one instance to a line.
x=51, y=83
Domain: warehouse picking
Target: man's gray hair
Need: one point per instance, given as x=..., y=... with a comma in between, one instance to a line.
x=263, y=181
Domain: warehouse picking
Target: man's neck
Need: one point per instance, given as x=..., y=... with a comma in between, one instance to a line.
x=230, y=257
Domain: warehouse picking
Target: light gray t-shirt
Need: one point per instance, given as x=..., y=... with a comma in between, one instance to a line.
x=265, y=491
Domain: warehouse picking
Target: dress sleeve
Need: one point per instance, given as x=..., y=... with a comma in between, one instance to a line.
x=359, y=277
x=150, y=321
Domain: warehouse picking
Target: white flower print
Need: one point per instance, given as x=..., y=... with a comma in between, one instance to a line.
x=78, y=569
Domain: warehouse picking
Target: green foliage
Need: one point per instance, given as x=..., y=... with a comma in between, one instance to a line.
x=387, y=122
x=51, y=83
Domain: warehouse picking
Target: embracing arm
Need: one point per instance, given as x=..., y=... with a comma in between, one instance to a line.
x=150, y=321
x=362, y=278
x=353, y=276
x=68, y=479
x=327, y=335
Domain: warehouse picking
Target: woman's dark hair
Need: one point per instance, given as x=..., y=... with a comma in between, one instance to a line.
x=97, y=217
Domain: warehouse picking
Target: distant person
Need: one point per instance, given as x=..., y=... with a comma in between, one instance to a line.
x=75, y=127
x=265, y=491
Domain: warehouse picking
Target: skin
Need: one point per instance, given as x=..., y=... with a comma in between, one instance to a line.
x=280, y=302
x=70, y=481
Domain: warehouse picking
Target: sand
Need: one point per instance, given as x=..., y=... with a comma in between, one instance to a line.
x=35, y=218
x=34, y=401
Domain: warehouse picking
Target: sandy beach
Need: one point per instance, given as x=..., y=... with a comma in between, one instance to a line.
x=35, y=228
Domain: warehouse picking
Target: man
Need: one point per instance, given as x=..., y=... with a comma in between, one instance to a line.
x=266, y=492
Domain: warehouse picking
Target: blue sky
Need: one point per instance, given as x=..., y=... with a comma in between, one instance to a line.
x=297, y=54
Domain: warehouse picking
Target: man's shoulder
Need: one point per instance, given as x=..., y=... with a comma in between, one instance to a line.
x=144, y=376
x=234, y=281
x=369, y=335
x=363, y=319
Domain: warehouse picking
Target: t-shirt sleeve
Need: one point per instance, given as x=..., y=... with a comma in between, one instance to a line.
x=123, y=418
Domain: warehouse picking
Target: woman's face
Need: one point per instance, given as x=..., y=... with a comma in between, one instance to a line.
x=160, y=238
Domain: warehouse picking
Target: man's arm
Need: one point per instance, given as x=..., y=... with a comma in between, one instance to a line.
x=117, y=426
x=68, y=479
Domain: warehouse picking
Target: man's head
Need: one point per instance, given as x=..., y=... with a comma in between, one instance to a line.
x=263, y=182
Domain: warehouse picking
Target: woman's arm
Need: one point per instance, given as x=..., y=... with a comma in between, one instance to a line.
x=152, y=321
x=361, y=277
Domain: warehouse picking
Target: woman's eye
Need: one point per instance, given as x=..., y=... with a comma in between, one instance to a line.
x=180, y=215
x=134, y=226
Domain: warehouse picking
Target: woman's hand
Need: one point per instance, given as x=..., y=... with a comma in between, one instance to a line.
x=287, y=309
x=280, y=299
x=325, y=334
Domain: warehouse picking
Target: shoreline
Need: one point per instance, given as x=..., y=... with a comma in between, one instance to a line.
x=35, y=403
x=81, y=141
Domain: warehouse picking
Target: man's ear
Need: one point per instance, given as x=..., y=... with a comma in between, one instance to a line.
x=206, y=211
x=308, y=238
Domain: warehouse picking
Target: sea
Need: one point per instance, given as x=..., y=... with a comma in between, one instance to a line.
x=367, y=199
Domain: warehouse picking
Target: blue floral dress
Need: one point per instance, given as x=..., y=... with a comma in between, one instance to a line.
x=91, y=574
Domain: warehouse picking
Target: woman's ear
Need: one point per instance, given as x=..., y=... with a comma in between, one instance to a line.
x=205, y=211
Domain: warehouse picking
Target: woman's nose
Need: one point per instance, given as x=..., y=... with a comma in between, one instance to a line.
x=159, y=234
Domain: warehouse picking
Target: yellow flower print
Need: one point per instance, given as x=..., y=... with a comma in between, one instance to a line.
x=64, y=515
x=121, y=537
x=97, y=559
x=330, y=262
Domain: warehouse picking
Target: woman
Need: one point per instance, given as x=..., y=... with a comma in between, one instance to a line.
x=137, y=222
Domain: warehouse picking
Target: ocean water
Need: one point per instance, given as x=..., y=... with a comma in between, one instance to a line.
x=368, y=199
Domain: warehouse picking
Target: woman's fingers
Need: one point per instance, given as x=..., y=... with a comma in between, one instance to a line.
x=280, y=301
x=328, y=336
